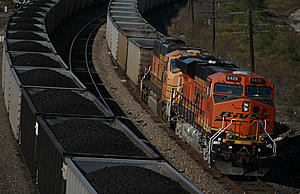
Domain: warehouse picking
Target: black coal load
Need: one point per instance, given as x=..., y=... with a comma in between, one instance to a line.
x=35, y=9
x=40, y=3
x=133, y=180
x=28, y=46
x=96, y=137
x=34, y=60
x=64, y=102
x=26, y=20
x=25, y=36
x=28, y=14
x=37, y=5
x=24, y=26
x=46, y=77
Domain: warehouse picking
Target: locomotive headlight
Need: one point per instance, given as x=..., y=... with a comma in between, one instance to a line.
x=246, y=106
x=262, y=138
x=229, y=136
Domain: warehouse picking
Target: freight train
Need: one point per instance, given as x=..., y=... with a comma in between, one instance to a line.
x=224, y=112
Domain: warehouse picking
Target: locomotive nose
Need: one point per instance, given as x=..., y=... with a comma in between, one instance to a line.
x=244, y=115
x=257, y=110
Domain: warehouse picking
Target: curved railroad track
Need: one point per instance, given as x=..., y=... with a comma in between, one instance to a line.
x=80, y=58
x=81, y=64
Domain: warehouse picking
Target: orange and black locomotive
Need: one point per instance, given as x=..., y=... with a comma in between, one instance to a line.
x=223, y=111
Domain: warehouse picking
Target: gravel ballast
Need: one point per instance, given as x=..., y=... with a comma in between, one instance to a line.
x=64, y=102
x=46, y=77
x=90, y=136
x=34, y=60
x=133, y=180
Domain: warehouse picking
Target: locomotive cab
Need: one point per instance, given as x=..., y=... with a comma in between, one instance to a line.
x=171, y=79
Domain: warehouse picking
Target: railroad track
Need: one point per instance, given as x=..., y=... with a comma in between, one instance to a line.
x=80, y=60
x=248, y=185
x=81, y=64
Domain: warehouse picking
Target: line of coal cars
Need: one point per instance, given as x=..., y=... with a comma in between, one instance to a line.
x=69, y=140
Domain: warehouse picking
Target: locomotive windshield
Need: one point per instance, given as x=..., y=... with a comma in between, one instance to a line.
x=259, y=91
x=230, y=89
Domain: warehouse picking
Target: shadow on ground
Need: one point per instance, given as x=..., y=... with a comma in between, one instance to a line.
x=285, y=167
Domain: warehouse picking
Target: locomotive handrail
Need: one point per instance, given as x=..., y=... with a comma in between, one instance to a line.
x=180, y=99
x=141, y=85
x=210, y=146
x=274, y=143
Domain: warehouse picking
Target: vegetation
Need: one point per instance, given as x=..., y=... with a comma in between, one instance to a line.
x=276, y=44
x=282, y=8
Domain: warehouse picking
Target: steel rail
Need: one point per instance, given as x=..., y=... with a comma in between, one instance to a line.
x=76, y=36
x=234, y=185
x=267, y=188
x=87, y=66
x=258, y=181
x=86, y=55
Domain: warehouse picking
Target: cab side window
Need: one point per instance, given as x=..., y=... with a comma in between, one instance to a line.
x=173, y=66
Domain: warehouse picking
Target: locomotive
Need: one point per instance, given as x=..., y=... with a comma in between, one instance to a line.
x=224, y=112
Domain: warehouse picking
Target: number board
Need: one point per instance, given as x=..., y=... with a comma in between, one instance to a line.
x=233, y=78
x=257, y=80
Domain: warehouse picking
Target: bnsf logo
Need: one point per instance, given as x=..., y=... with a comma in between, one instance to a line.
x=242, y=116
